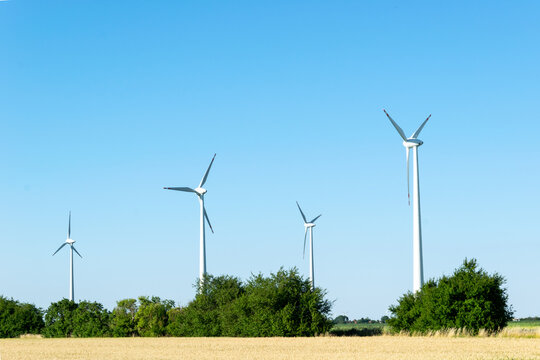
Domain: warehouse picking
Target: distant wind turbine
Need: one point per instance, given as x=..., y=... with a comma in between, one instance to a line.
x=413, y=142
x=309, y=225
x=70, y=241
x=200, y=191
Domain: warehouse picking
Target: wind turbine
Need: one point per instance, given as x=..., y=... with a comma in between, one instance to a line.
x=309, y=225
x=200, y=191
x=413, y=142
x=70, y=242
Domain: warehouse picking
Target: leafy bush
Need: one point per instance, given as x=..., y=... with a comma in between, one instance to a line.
x=18, y=318
x=282, y=304
x=123, y=318
x=151, y=317
x=470, y=299
x=66, y=318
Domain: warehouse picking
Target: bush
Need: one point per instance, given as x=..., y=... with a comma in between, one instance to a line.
x=66, y=318
x=470, y=299
x=282, y=304
x=123, y=318
x=18, y=318
x=151, y=317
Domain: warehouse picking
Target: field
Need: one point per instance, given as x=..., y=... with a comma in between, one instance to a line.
x=376, y=347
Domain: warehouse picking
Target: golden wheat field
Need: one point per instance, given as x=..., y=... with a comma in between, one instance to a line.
x=380, y=347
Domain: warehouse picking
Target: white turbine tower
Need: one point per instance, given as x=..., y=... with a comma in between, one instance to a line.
x=413, y=142
x=200, y=193
x=309, y=225
x=70, y=242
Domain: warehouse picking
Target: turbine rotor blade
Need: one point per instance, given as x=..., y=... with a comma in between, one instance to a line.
x=417, y=132
x=408, y=150
x=207, y=220
x=207, y=171
x=301, y=212
x=69, y=226
x=73, y=247
x=185, y=189
x=305, y=237
x=312, y=221
x=64, y=244
x=399, y=130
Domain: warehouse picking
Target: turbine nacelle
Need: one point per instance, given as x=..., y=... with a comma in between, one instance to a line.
x=70, y=241
x=409, y=143
x=309, y=225
x=200, y=191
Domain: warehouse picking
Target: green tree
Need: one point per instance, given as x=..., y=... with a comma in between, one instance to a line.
x=470, y=299
x=19, y=318
x=151, y=317
x=90, y=319
x=59, y=319
x=123, y=318
x=282, y=304
x=341, y=319
x=66, y=318
x=209, y=313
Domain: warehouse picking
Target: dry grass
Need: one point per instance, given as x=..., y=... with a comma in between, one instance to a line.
x=380, y=347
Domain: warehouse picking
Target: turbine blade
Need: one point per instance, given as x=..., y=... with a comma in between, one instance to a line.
x=408, y=150
x=207, y=171
x=312, y=221
x=399, y=130
x=73, y=247
x=207, y=219
x=305, y=237
x=64, y=244
x=417, y=132
x=185, y=189
x=301, y=212
x=69, y=226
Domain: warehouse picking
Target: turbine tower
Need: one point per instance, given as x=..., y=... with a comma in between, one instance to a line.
x=309, y=225
x=200, y=192
x=413, y=142
x=70, y=242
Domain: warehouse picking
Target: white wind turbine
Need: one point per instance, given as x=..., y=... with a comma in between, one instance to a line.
x=200, y=193
x=309, y=225
x=70, y=241
x=413, y=142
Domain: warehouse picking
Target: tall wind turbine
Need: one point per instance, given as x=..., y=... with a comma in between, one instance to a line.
x=413, y=142
x=309, y=225
x=200, y=191
x=70, y=242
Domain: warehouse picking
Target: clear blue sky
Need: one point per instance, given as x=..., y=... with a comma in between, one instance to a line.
x=102, y=103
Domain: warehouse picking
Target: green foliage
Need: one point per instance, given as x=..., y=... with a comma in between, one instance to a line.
x=123, y=318
x=66, y=318
x=151, y=317
x=282, y=304
x=59, y=319
x=18, y=318
x=341, y=319
x=470, y=299
x=90, y=319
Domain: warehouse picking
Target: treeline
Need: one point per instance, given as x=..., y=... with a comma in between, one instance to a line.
x=281, y=304
x=344, y=319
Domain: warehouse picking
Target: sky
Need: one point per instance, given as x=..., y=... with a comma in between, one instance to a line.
x=103, y=103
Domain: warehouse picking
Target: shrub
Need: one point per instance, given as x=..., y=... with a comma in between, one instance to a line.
x=66, y=318
x=19, y=318
x=470, y=299
x=151, y=317
x=282, y=304
x=123, y=318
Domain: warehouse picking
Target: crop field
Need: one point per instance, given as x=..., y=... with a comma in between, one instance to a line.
x=377, y=347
